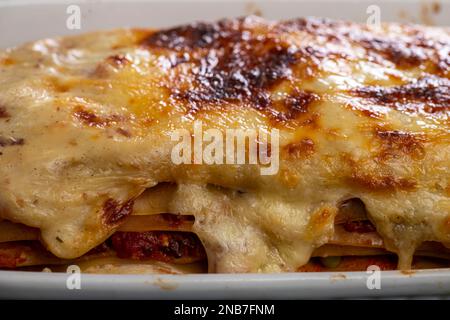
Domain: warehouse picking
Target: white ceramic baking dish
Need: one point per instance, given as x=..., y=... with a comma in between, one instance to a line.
x=33, y=285
x=22, y=21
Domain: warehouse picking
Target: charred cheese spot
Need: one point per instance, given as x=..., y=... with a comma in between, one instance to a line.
x=89, y=118
x=403, y=55
x=3, y=113
x=382, y=183
x=407, y=50
x=428, y=95
x=298, y=150
x=118, y=60
x=230, y=61
x=20, y=202
x=124, y=132
x=397, y=144
x=196, y=35
x=289, y=109
x=103, y=69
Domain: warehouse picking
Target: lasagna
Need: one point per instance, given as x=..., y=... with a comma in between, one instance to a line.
x=363, y=114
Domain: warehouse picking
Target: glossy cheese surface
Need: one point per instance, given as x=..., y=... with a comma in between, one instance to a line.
x=363, y=112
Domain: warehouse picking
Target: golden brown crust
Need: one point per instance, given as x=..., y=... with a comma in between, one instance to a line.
x=429, y=95
x=409, y=48
x=231, y=62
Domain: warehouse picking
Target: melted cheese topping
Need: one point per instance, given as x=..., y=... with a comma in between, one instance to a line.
x=85, y=126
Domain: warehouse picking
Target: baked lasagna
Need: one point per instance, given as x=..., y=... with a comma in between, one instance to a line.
x=363, y=115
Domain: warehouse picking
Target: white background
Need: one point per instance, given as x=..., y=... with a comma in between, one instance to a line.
x=22, y=20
